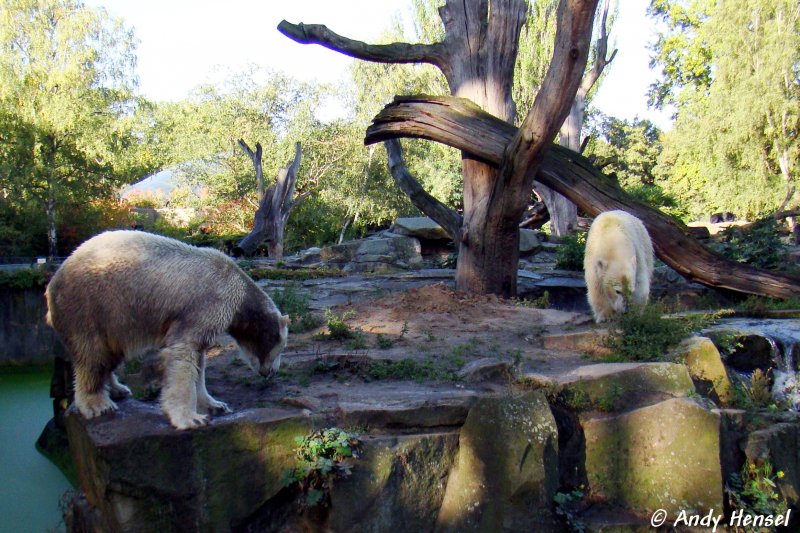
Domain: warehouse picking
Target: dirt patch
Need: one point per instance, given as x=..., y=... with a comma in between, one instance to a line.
x=437, y=298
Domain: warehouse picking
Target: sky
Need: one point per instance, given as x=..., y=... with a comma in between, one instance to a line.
x=184, y=43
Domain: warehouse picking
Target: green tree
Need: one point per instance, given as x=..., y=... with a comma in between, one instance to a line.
x=66, y=82
x=731, y=68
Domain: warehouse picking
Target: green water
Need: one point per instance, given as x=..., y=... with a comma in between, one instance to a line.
x=30, y=485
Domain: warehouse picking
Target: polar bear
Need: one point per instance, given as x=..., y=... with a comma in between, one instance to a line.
x=123, y=293
x=618, y=263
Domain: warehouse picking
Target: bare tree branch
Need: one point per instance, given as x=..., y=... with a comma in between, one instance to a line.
x=600, y=61
x=448, y=219
x=380, y=53
x=255, y=157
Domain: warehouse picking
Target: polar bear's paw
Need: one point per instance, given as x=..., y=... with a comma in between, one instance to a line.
x=94, y=404
x=187, y=420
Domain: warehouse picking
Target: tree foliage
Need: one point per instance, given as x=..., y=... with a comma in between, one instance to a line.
x=733, y=71
x=66, y=82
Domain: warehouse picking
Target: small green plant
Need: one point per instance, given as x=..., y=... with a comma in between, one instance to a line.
x=338, y=329
x=384, y=343
x=295, y=304
x=321, y=457
x=754, y=490
x=754, y=395
x=404, y=329
x=542, y=302
x=357, y=341
x=569, y=255
x=643, y=334
x=727, y=342
x=412, y=369
x=575, y=399
x=568, y=505
x=449, y=261
x=610, y=400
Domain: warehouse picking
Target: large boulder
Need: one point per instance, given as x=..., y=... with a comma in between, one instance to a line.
x=663, y=456
x=396, y=485
x=506, y=472
x=143, y=475
x=705, y=365
x=419, y=227
x=528, y=241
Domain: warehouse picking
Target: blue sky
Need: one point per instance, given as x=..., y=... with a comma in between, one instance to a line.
x=184, y=43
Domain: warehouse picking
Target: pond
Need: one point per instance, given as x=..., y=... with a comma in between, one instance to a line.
x=31, y=485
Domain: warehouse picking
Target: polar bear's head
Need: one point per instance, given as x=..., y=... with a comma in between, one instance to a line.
x=618, y=279
x=261, y=350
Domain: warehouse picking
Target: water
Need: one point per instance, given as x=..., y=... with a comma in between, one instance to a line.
x=784, y=337
x=30, y=485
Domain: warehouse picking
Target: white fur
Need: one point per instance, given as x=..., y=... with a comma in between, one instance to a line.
x=123, y=293
x=618, y=264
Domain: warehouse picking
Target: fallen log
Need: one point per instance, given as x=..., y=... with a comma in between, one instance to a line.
x=459, y=123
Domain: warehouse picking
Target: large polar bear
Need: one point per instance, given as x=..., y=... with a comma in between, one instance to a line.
x=618, y=263
x=123, y=293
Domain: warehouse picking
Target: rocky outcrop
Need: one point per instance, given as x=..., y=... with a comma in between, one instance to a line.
x=505, y=475
x=704, y=362
x=420, y=228
x=663, y=456
x=619, y=386
x=374, y=255
x=142, y=475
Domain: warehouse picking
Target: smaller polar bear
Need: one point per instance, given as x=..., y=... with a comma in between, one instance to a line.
x=618, y=264
x=123, y=293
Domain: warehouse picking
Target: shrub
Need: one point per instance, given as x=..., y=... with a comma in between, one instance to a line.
x=338, y=329
x=569, y=255
x=758, y=244
x=643, y=334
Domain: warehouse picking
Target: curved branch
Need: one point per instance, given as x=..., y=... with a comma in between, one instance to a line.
x=448, y=219
x=466, y=127
x=380, y=53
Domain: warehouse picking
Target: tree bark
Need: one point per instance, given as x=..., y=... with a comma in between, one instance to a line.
x=563, y=213
x=255, y=157
x=273, y=209
x=463, y=125
x=477, y=57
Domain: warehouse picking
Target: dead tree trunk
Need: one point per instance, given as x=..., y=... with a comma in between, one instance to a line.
x=463, y=125
x=477, y=57
x=274, y=206
x=563, y=213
